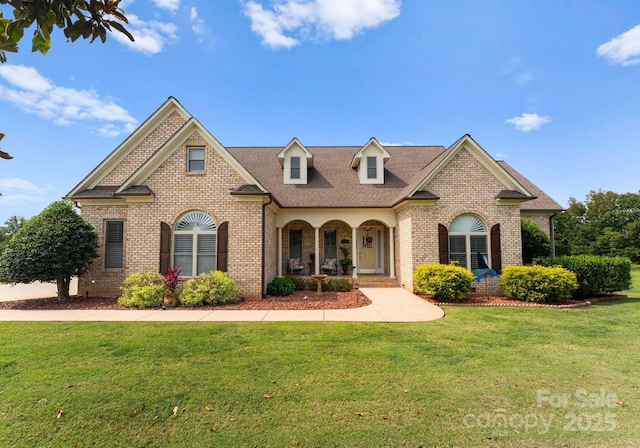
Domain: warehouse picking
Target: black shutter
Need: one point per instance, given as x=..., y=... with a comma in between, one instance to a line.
x=165, y=247
x=496, y=253
x=223, y=246
x=443, y=244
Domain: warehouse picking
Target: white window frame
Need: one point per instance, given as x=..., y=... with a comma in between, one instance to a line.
x=191, y=152
x=295, y=168
x=197, y=225
x=372, y=168
x=469, y=226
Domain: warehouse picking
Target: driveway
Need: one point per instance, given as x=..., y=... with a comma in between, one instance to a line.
x=34, y=290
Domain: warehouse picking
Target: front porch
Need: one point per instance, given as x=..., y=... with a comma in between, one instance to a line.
x=337, y=248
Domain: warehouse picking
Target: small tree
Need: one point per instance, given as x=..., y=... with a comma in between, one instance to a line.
x=535, y=243
x=52, y=246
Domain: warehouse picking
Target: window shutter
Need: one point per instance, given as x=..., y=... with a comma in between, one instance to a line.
x=443, y=244
x=496, y=254
x=223, y=246
x=165, y=247
x=113, y=244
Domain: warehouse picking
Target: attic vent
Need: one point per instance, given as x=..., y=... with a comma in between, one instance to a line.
x=467, y=224
x=197, y=221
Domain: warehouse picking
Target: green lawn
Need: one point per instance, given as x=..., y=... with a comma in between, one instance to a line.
x=561, y=377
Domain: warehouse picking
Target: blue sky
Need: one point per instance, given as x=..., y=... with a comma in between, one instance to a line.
x=550, y=86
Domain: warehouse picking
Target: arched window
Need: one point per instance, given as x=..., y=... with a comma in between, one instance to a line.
x=195, y=244
x=467, y=237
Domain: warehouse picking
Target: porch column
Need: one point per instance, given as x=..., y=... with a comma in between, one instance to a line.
x=279, y=251
x=392, y=254
x=317, y=249
x=354, y=249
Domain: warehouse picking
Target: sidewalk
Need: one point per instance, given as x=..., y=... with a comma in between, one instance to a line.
x=388, y=305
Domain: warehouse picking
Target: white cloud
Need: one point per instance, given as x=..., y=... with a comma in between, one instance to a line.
x=623, y=49
x=171, y=5
x=324, y=19
x=34, y=94
x=150, y=36
x=197, y=24
x=16, y=191
x=528, y=122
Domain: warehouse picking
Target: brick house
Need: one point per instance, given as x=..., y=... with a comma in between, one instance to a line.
x=172, y=195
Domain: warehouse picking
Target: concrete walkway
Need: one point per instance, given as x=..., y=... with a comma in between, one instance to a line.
x=388, y=305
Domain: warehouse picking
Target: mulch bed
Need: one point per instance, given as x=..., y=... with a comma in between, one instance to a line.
x=299, y=300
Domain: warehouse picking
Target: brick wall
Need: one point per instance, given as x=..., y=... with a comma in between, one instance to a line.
x=176, y=193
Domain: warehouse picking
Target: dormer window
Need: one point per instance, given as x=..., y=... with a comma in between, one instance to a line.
x=369, y=162
x=295, y=161
x=371, y=168
x=295, y=167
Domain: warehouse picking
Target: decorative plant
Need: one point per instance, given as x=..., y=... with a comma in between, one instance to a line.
x=346, y=251
x=170, y=280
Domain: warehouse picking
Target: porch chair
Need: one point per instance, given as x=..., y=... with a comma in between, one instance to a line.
x=330, y=266
x=295, y=267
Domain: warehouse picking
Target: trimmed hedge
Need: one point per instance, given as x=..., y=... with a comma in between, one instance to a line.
x=339, y=285
x=537, y=283
x=142, y=290
x=213, y=288
x=281, y=286
x=444, y=282
x=596, y=275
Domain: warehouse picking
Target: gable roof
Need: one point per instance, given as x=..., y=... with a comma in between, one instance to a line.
x=129, y=144
x=512, y=185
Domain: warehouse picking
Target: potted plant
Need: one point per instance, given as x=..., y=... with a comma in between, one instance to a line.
x=345, y=262
x=170, y=282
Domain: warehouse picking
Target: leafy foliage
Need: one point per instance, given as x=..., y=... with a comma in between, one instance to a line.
x=213, y=288
x=607, y=223
x=537, y=283
x=142, y=290
x=280, y=286
x=78, y=18
x=445, y=282
x=596, y=275
x=298, y=282
x=52, y=246
x=10, y=228
x=336, y=284
x=535, y=243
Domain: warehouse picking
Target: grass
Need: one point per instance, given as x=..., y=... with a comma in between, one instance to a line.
x=441, y=383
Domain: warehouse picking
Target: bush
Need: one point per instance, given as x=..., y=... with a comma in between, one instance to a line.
x=445, y=282
x=596, y=275
x=142, y=290
x=298, y=282
x=537, y=283
x=535, y=243
x=281, y=286
x=339, y=285
x=213, y=288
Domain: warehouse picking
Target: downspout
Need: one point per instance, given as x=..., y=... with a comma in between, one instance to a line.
x=264, y=209
x=553, y=236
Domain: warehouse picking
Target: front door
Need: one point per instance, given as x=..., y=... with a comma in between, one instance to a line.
x=369, y=250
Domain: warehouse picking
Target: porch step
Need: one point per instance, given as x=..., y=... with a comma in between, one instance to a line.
x=377, y=282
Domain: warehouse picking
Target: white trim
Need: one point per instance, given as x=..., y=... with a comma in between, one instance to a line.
x=466, y=142
x=129, y=144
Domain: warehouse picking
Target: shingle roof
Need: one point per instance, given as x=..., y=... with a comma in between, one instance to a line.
x=542, y=200
x=332, y=182
x=109, y=192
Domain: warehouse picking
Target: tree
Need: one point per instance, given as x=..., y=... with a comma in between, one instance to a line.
x=10, y=228
x=607, y=223
x=535, y=243
x=53, y=246
x=78, y=18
